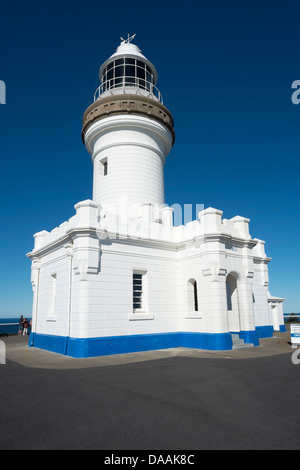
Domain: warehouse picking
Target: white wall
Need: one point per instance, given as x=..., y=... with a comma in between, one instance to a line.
x=135, y=148
x=99, y=273
x=53, y=320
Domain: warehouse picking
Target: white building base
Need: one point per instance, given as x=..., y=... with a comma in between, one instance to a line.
x=100, y=291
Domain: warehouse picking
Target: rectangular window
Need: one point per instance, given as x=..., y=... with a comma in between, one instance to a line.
x=140, y=296
x=139, y=291
x=103, y=167
x=137, y=280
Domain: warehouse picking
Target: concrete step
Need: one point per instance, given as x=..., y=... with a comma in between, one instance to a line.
x=241, y=346
x=238, y=343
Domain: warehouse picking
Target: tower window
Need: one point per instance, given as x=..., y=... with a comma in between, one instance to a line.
x=104, y=167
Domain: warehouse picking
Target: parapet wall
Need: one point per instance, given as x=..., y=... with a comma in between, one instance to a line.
x=148, y=222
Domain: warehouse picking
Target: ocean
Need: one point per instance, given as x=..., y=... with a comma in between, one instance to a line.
x=9, y=326
x=288, y=317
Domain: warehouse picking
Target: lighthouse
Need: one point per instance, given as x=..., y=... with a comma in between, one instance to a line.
x=128, y=132
x=101, y=287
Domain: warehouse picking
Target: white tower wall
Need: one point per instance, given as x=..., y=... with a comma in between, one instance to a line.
x=134, y=149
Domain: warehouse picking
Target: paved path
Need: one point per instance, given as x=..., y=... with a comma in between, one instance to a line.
x=17, y=350
x=165, y=400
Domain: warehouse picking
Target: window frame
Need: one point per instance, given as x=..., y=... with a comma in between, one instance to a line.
x=142, y=312
x=104, y=166
x=193, y=310
x=51, y=316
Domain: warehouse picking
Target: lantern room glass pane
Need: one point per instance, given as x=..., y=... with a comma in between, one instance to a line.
x=119, y=71
x=141, y=72
x=148, y=81
x=119, y=82
x=141, y=77
x=130, y=75
x=129, y=70
x=109, y=79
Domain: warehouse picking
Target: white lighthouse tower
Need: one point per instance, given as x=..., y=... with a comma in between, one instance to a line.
x=128, y=132
x=104, y=287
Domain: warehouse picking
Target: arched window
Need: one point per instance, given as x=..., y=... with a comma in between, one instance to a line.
x=192, y=295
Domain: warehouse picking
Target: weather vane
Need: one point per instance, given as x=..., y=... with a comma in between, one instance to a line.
x=128, y=40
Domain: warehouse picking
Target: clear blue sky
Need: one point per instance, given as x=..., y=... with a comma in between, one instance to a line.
x=225, y=70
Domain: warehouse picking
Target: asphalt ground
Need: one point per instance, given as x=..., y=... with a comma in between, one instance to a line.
x=177, y=399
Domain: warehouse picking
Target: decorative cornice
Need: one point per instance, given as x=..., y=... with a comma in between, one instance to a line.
x=261, y=260
x=118, y=238
x=127, y=104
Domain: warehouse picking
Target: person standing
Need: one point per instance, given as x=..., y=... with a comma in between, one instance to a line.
x=20, y=328
x=25, y=326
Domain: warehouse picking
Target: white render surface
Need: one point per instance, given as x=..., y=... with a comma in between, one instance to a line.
x=135, y=148
x=120, y=267
x=93, y=276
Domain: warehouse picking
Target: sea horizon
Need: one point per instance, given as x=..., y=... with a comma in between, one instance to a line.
x=6, y=328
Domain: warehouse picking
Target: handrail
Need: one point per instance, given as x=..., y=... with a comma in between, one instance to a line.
x=126, y=82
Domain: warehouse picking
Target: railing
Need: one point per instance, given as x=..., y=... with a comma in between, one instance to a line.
x=11, y=329
x=289, y=317
x=140, y=84
x=8, y=328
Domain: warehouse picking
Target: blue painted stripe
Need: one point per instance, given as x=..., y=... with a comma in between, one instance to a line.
x=265, y=331
x=210, y=341
x=103, y=346
x=250, y=336
x=282, y=328
x=48, y=342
